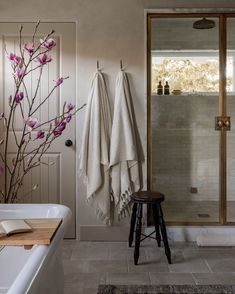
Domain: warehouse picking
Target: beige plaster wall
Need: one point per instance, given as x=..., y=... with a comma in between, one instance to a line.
x=106, y=30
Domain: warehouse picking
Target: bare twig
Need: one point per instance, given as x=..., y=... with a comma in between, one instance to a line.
x=27, y=155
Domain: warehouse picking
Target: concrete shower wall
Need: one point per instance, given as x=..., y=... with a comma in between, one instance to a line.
x=106, y=30
x=186, y=147
x=177, y=34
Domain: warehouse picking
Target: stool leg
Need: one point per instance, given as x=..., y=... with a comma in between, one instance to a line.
x=138, y=233
x=156, y=224
x=164, y=234
x=132, y=227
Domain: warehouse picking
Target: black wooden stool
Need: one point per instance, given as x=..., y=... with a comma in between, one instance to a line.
x=154, y=199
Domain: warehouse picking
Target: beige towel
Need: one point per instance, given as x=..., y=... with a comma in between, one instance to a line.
x=124, y=162
x=94, y=156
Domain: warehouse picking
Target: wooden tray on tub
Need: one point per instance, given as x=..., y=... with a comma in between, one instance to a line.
x=42, y=234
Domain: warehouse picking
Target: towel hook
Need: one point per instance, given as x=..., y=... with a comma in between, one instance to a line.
x=121, y=67
x=97, y=65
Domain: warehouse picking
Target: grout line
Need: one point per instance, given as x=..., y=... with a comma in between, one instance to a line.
x=150, y=281
x=88, y=266
x=128, y=266
x=208, y=266
x=194, y=278
x=107, y=278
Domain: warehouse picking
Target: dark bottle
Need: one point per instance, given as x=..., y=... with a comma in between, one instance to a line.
x=160, y=88
x=166, y=89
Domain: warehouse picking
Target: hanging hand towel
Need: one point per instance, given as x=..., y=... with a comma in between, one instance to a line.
x=94, y=156
x=124, y=162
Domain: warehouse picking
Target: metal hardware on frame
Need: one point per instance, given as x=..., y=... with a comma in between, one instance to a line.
x=222, y=123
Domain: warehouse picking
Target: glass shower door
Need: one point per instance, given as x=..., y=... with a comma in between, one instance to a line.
x=184, y=143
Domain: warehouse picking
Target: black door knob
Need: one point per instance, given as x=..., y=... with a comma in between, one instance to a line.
x=68, y=143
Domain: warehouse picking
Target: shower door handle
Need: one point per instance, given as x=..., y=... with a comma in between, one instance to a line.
x=222, y=123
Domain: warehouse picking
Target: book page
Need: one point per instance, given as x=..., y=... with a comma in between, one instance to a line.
x=2, y=231
x=15, y=226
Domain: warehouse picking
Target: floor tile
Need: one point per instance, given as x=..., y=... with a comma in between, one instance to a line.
x=75, y=244
x=214, y=278
x=89, y=254
x=75, y=266
x=192, y=266
x=86, y=264
x=222, y=265
x=66, y=253
x=147, y=266
x=85, y=280
x=75, y=289
x=108, y=245
x=158, y=255
x=194, y=254
x=111, y=266
x=128, y=279
x=227, y=252
x=171, y=279
x=125, y=254
x=182, y=245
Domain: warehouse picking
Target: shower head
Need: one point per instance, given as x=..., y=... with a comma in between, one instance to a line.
x=204, y=24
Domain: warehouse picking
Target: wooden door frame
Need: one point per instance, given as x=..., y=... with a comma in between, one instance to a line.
x=222, y=111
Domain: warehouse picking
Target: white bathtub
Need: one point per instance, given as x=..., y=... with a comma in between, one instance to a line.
x=40, y=269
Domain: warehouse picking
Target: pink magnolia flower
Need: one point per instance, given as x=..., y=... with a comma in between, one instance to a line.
x=1, y=169
x=11, y=56
x=70, y=106
x=44, y=59
x=14, y=58
x=48, y=44
x=68, y=118
x=57, y=133
x=59, y=81
x=40, y=135
x=31, y=123
x=20, y=72
x=17, y=59
x=59, y=129
x=19, y=97
x=29, y=47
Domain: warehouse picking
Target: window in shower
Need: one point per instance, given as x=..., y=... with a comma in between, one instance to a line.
x=191, y=72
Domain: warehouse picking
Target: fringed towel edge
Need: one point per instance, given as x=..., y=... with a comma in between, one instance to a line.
x=99, y=213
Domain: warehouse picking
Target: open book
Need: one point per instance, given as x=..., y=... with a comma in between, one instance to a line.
x=13, y=226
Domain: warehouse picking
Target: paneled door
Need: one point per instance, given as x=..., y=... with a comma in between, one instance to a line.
x=55, y=181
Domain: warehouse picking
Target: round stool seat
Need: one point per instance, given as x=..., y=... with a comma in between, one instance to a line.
x=147, y=197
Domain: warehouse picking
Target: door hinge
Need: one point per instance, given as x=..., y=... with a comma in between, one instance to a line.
x=222, y=123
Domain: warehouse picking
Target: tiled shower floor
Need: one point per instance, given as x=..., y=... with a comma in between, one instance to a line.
x=196, y=211
x=88, y=264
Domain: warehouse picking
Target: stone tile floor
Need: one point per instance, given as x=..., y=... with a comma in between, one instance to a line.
x=88, y=264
